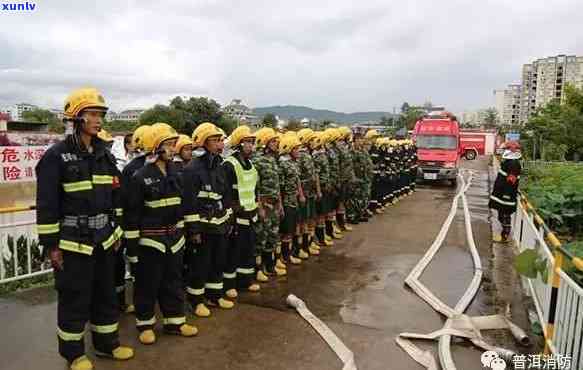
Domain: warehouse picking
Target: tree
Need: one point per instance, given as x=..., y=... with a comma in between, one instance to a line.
x=293, y=125
x=227, y=123
x=174, y=117
x=269, y=120
x=405, y=108
x=490, y=118
x=387, y=121
x=201, y=109
x=409, y=118
x=196, y=110
x=44, y=116
x=558, y=123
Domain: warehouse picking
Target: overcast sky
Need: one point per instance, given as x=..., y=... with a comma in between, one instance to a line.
x=343, y=55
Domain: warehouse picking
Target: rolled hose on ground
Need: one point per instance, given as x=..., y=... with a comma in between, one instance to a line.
x=457, y=323
x=345, y=354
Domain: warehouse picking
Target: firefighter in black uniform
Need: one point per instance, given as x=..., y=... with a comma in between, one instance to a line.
x=127, y=173
x=414, y=166
x=183, y=152
x=504, y=194
x=242, y=177
x=208, y=222
x=77, y=190
x=155, y=214
x=372, y=136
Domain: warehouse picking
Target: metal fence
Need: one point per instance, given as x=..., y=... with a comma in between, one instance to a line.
x=559, y=299
x=20, y=254
x=533, y=164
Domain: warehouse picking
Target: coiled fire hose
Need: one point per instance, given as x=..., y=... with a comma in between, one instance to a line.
x=457, y=323
x=345, y=355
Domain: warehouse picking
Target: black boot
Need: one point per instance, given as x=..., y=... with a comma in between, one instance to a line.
x=363, y=217
x=329, y=229
x=296, y=246
x=505, y=233
x=306, y=243
x=285, y=251
x=268, y=263
x=341, y=221
x=320, y=234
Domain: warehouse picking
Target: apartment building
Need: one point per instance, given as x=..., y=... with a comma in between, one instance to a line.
x=545, y=79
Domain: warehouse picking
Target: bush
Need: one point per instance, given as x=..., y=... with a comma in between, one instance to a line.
x=20, y=244
x=556, y=191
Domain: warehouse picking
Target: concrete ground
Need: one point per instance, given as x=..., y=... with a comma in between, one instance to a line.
x=356, y=287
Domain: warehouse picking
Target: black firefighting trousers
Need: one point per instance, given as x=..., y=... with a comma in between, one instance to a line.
x=159, y=279
x=240, y=266
x=206, y=268
x=86, y=292
x=120, y=274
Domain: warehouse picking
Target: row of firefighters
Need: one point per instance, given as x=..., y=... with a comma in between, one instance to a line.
x=195, y=227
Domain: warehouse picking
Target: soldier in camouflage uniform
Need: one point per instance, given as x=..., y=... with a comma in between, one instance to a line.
x=324, y=203
x=270, y=206
x=292, y=197
x=311, y=188
x=357, y=205
x=346, y=178
x=332, y=135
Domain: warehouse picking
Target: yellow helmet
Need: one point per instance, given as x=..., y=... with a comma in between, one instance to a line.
x=318, y=140
x=372, y=134
x=201, y=134
x=105, y=136
x=183, y=140
x=223, y=134
x=202, y=126
x=158, y=133
x=344, y=132
x=84, y=98
x=332, y=134
x=305, y=135
x=288, y=143
x=138, y=137
x=265, y=135
x=239, y=134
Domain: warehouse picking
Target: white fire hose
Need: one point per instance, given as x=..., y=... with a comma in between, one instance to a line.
x=457, y=323
x=345, y=355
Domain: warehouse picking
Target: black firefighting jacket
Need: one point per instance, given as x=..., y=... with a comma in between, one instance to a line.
x=207, y=196
x=78, y=198
x=126, y=175
x=154, y=217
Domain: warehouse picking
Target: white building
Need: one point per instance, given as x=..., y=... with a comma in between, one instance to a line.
x=499, y=101
x=59, y=113
x=15, y=111
x=110, y=116
x=511, y=104
x=545, y=79
x=473, y=118
x=131, y=115
x=240, y=112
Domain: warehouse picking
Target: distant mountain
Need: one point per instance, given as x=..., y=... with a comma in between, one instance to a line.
x=299, y=112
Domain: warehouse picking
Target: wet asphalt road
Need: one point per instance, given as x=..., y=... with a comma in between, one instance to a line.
x=356, y=287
